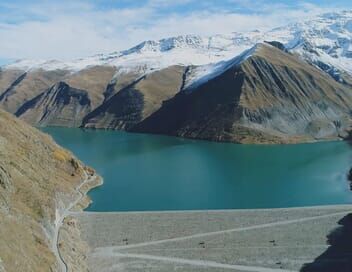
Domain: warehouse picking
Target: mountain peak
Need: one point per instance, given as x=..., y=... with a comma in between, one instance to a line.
x=167, y=44
x=327, y=37
x=202, y=74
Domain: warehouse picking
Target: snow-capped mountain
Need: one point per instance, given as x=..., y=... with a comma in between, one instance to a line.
x=325, y=40
x=233, y=87
x=183, y=50
x=203, y=73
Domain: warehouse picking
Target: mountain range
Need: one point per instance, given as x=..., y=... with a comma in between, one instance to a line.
x=289, y=84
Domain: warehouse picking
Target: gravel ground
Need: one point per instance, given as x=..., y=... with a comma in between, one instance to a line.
x=232, y=240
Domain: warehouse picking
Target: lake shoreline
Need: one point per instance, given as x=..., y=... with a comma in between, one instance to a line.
x=295, y=142
x=148, y=172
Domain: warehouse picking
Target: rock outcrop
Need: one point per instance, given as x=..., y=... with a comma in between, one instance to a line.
x=264, y=95
x=302, y=97
x=134, y=102
x=19, y=86
x=54, y=97
x=271, y=93
x=61, y=105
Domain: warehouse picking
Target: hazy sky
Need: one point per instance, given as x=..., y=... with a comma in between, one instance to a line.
x=65, y=29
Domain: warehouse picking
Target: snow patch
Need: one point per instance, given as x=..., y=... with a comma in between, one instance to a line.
x=202, y=74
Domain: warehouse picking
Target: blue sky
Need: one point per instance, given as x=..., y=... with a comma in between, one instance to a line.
x=68, y=29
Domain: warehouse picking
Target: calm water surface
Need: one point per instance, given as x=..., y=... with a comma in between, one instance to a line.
x=148, y=172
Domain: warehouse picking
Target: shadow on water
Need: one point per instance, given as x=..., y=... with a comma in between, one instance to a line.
x=338, y=257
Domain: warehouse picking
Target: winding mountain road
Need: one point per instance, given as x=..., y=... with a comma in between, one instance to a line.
x=60, y=217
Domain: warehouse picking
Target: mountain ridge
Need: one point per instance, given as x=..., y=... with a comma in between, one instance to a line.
x=124, y=89
x=269, y=96
x=330, y=33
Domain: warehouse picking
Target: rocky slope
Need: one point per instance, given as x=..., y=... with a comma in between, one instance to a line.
x=25, y=85
x=61, y=105
x=37, y=180
x=265, y=95
x=133, y=102
x=19, y=87
x=122, y=89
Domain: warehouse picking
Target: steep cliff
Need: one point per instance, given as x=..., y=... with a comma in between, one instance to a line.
x=61, y=105
x=134, y=102
x=62, y=101
x=20, y=86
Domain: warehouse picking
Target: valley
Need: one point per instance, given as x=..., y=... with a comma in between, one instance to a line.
x=218, y=152
x=241, y=88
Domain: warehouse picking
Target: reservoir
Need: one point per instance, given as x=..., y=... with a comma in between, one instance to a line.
x=150, y=172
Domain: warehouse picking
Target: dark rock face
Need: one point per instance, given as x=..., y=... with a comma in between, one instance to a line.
x=278, y=45
x=272, y=97
x=21, y=86
x=4, y=178
x=208, y=112
x=122, y=111
x=65, y=94
x=333, y=72
x=11, y=88
x=18, y=87
x=269, y=96
x=60, y=105
x=130, y=100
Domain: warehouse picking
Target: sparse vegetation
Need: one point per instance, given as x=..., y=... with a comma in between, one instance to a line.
x=35, y=175
x=62, y=155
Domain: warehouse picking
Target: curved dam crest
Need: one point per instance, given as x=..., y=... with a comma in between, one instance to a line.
x=154, y=173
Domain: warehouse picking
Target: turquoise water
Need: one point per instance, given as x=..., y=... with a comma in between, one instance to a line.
x=148, y=172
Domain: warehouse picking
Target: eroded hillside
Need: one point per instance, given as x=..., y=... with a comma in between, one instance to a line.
x=265, y=95
x=37, y=179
